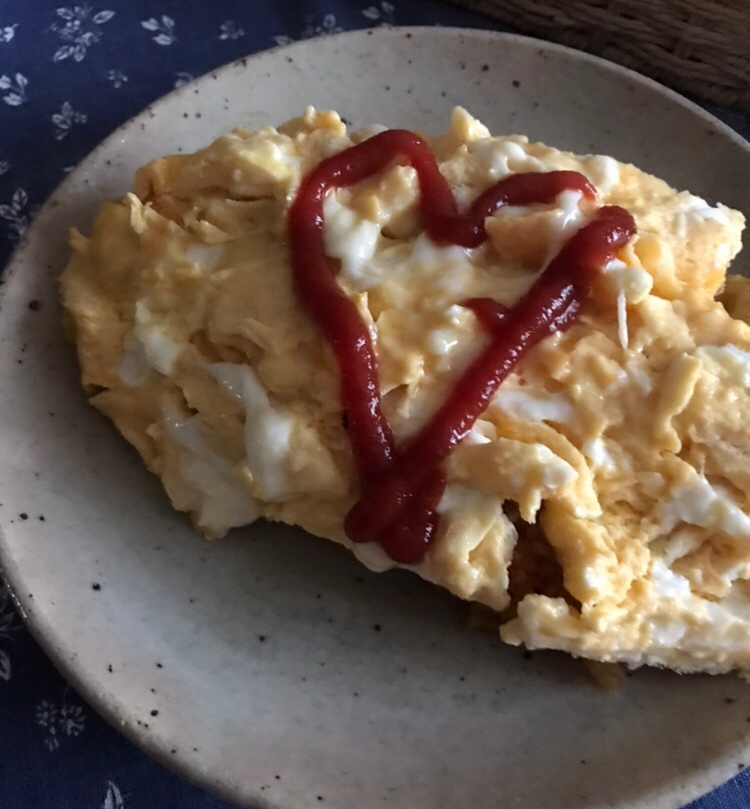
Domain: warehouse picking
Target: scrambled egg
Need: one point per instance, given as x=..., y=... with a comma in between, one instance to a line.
x=601, y=503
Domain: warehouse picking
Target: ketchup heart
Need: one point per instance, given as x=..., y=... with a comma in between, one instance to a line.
x=401, y=488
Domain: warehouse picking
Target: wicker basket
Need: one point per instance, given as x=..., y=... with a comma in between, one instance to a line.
x=700, y=47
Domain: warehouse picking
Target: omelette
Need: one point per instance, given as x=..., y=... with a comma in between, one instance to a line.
x=600, y=501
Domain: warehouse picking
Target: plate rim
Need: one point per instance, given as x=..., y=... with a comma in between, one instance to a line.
x=715, y=772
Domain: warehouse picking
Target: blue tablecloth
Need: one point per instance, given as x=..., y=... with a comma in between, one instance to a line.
x=69, y=75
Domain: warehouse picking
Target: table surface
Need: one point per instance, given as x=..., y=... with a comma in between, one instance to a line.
x=55, y=60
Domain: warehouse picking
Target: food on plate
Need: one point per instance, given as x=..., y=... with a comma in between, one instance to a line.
x=502, y=366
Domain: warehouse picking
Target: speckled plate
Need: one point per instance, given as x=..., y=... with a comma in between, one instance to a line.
x=283, y=674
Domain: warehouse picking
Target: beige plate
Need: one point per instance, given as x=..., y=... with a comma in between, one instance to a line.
x=281, y=670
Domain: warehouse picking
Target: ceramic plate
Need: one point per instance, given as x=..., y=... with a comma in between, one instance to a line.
x=285, y=675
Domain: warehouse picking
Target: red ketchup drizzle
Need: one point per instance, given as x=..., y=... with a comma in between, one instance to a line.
x=488, y=312
x=401, y=490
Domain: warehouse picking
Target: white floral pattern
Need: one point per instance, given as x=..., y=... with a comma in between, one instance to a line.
x=4, y=167
x=9, y=621
x=65, y=119
x=182, y=77
x=9, y=624
x=16, y=88
x=5, y=666
x=384, y=13
x=8, y=32
x=113, y=798
x=164, y=29
x=117, y=77
x=314, y=27
x=17, y=214
x=59, y=722
x=80, y=29
x=230, y=30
